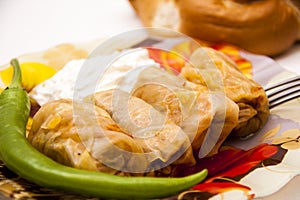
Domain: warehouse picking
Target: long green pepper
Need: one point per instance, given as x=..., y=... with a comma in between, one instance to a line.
x=22, y=158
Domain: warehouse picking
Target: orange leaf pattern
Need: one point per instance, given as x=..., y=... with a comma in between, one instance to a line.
x=176, y=58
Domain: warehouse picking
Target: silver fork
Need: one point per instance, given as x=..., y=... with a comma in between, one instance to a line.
x=284, y=91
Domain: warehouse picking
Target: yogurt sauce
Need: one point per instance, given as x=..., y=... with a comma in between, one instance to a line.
x=80, y=78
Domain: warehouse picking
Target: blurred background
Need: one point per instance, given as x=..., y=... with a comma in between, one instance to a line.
x=33, y=25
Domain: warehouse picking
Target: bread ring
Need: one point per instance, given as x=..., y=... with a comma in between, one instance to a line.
x=266, y=27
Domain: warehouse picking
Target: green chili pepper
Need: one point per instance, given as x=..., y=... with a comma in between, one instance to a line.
x=22, y=158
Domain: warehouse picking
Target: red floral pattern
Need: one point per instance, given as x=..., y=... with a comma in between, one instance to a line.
x=230, y=165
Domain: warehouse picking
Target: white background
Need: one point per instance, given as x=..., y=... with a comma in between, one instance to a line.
x=33, y=25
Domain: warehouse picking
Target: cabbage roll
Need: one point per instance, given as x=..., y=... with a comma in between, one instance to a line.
x=87, y=142
x=161, y=139
x=207, y=117
x=246, y=93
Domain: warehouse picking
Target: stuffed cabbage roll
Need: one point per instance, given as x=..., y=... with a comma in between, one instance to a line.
x=207, y=117
x=246, y=93
x=84, y=142
x=161, y=139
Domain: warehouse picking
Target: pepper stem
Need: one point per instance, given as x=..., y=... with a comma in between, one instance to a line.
x=16, y=81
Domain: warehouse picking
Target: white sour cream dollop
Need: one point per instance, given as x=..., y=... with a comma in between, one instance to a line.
x=80, y=78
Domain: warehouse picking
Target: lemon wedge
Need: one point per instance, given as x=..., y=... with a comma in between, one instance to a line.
x=33, y=73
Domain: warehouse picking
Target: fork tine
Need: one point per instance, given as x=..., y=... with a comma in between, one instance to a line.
x=276, y=85
x=283, y=99
x=283, y=91
x=289, y=86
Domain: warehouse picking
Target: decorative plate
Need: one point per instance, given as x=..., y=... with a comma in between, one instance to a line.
x=243, y=169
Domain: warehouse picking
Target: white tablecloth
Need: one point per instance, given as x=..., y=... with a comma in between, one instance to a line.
x=34, y=25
